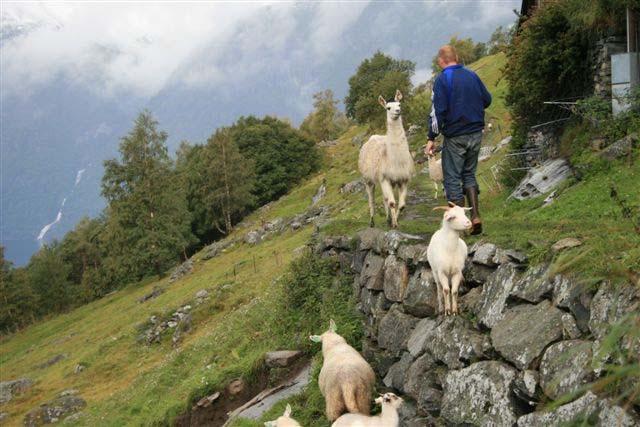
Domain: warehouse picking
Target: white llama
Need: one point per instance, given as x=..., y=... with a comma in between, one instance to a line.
x=386, y=159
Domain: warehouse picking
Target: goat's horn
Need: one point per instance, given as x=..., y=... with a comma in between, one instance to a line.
x=441, y=208
x=451, y=204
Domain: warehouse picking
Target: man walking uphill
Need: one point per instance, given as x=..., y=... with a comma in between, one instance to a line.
x=459, y=101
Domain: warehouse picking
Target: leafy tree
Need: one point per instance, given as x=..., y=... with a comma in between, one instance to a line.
x=548, y=60
x=148, y=223
x=325, y=122
x=378, y=75
x=17, y=300
x=82, y=249
x=48, y=275
x=500, y=40
x=282, y=154
x=468, y=52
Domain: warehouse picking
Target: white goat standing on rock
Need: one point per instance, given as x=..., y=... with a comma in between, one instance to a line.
x=388, y=418
x=447, y=253
x=386, y=159
x=346, y=380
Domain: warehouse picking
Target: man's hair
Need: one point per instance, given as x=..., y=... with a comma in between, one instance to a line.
x=448, y=53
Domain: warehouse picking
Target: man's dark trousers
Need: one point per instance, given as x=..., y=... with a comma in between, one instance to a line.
x=459, y=164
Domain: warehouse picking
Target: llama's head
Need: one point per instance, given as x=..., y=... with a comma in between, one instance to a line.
x=392, y=107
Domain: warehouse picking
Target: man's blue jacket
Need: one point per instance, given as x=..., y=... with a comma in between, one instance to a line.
x=458, y=101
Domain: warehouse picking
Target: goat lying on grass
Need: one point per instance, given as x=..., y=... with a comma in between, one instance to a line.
x=284, y=421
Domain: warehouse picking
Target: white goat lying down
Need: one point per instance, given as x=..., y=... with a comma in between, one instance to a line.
x=447, y=253
x=388, y=418
x=346, y=380
x=284, y=421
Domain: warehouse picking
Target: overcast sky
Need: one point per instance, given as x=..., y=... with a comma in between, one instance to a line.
x=140, y=48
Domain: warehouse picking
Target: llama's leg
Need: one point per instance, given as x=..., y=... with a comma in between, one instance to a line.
x=370, y=186
x=438, y=293
x=444, y=282
x=387, y=191
x=455, y=282
x=402, y=196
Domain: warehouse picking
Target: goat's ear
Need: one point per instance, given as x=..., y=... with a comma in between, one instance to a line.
x=332, y=326
x=382, y=101
x=449, y=217
x=398, y=95
x=315, y=338
x=270, y=424
x=287, y=411
x=379, y=400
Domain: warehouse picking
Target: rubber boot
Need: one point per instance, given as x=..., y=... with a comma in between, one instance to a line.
x=459, y=202
x=472, y=198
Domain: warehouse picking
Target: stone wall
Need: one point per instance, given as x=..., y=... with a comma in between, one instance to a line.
x=601, y=60
x=524, y=337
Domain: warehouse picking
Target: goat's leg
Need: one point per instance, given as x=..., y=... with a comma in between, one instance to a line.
x=435, y=184
x=402, y=196
x=444, y=282
x=387, y=191
x=438, y=293
x=455, y=282
x=370, y=186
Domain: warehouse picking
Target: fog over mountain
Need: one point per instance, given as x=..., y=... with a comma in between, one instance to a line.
x=74, y=76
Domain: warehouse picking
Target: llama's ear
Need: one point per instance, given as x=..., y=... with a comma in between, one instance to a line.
x=287, y=411
x=398, y=95
x=332, y=326
x=382, y=101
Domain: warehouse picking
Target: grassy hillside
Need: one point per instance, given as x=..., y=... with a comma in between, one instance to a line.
x=127, y=382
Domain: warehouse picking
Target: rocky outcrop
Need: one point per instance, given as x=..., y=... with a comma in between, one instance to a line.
x=543, y=179
x=523, y=337
x=54, y=411
x=182, y=270
x=8, y=389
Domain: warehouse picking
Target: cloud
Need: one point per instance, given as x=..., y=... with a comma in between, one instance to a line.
x=421, y=75
x=139, y=49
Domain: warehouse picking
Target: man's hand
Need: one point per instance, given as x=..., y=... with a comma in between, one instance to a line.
x=428, y=150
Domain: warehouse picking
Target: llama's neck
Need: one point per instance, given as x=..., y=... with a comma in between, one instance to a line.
x=395, y=132
x=389, y=415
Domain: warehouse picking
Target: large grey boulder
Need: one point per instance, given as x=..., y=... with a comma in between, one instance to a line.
x=397, y=372
x=568, y=293
x=396, y=278
x=586, y=405
x=372, y=274
x=470, y=301
x=369, y=238
x=352, y=187
x=621, y=147
x=418, y=340
x=610, y=304
x=393, y=239
x=422, y=383
x=565, y=367
x=484, y=254
x=394, y=330
x=54, y=411
x=480, y=395
x=476, y=274
x=420, y=298
x=542, y=179
x=525, y=330
x=413, y=254
x=281, y=358
x=495, y=293
x=600, y=413
x=8, y=389
x=534, y=284
x=526, y=387
x=373, y=302
x=182, y=270
x=455, y=343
